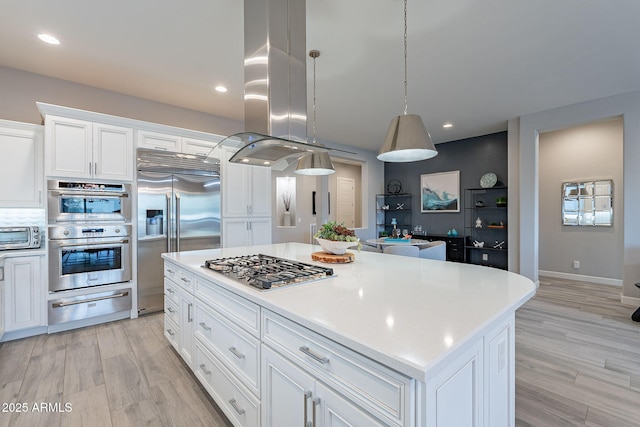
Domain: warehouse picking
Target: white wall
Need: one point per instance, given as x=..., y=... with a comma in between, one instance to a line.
x=583, y=153
x=20, y=90
x=526, y=171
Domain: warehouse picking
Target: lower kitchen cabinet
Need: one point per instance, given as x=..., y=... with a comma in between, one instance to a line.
x=24, y=299
x=297, y=398
x=179, y=315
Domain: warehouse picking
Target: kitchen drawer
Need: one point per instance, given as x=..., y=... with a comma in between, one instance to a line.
x=172, y=309
x=172, y=332
x=171, y=291
x=233, y=307
x=179, y=275
x=379, y=389
x=241, y=408
x=238, y=350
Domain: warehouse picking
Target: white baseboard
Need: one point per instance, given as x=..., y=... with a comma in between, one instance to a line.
x=630, y=301
x=581, y=278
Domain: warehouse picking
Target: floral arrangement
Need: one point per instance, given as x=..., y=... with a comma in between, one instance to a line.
x=337, y=232
x=286, y=199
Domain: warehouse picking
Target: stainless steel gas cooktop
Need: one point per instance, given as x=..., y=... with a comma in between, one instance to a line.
x=266, y=271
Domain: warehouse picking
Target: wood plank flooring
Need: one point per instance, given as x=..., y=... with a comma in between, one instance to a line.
x=117, y=374
x=577, y=364
x=577, y=357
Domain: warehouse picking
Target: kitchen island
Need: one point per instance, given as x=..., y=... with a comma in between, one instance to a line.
x=387, y=340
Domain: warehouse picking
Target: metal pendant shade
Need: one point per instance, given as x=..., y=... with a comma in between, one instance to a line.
x=407, y=138
x=407, y=141
x=315, y=163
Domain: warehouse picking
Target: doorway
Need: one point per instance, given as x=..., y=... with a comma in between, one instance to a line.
x=345, y=211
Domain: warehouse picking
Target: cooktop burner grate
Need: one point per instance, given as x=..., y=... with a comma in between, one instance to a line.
x=266, y=271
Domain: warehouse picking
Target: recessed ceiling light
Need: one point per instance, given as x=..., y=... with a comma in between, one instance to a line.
x=447, y=125
x=221, y=89
x=48, y=38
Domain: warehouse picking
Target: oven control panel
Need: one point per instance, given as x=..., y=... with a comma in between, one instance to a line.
x=89, y=231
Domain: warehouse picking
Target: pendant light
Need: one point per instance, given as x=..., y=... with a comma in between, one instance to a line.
x=407, y=138
x=315, y=163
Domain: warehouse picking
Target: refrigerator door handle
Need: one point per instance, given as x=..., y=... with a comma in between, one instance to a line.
x=168, y=222
x=177, y=222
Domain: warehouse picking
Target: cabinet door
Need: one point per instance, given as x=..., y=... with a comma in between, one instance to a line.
x=235, y=232
x=186, y=327
x=236, y=188
x=68, y=148
x=260, y=203
x=21, y=167
x=24, y=302
x=287, y=392
x=198, y=147
x=158, y=141
x=260, y=231
x=333, y=410
x=112, y=152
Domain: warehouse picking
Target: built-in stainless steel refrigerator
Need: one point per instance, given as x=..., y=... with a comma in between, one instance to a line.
x=178, y=210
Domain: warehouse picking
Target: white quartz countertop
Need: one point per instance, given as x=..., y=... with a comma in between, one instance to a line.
x=406, y=313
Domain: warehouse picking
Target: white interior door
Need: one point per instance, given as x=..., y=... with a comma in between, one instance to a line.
x=345, y=212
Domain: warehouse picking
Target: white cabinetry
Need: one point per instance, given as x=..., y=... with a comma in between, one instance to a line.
x=21, y=165
x=297, y=398
x=83, y=149
x=175, y=143
x=246, y=189
x=178, y=293
x=24, y=299
x=246, y=231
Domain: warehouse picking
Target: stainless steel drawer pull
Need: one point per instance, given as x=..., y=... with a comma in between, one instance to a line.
x=170, y=271
x=316, y=402
x=185, y=280
x=170, y=310
x=204, y=369
x=170, y=332
x=236, y=353
x=235, y=406
x=313, y=355
x=307, y=395
x=84, y=301
x=204, y=326
x=171, y=291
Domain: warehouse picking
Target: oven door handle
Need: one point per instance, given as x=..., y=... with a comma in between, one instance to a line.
x=84, y=301
x=87, y=193
x=57, y=244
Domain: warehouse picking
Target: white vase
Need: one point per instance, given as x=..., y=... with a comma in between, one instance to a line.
x=286, y=219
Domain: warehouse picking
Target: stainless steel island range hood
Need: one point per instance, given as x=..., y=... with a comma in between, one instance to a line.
x=275, y=88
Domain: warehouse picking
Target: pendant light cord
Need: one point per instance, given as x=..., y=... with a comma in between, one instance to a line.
x=314, y=99
x=405, y=59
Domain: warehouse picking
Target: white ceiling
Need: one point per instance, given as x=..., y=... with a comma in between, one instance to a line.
x=476, y=63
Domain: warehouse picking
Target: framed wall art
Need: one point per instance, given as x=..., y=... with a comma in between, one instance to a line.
x=440, y=192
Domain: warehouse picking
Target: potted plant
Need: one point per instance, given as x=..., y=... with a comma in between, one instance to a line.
x=335, y=238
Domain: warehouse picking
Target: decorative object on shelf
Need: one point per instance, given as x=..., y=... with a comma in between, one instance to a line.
x=407, y=138
x=454, y=233
x=440, y=192
x=478, y=223
x=385, y=207
x=335, y=238
x=501, y=202
x=478, y=244
x=499, y=245
x=501, y=224
x=394, y=187
x=479, y=204
x=315, y=163
x=488, y=180
x=400, y=206
x=286, y=216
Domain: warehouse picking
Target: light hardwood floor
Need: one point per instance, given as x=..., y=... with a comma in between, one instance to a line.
x=577, y=357
x=117, y=374
x=577, y=364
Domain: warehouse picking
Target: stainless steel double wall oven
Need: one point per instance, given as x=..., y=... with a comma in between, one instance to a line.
x=89, y=247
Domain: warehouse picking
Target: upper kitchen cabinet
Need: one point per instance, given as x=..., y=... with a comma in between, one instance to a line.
x=84, y=149
x=246, y=190
x=21, y=165
x=175, y=143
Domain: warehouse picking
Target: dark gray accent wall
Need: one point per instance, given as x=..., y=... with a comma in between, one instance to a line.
x=473, y=157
